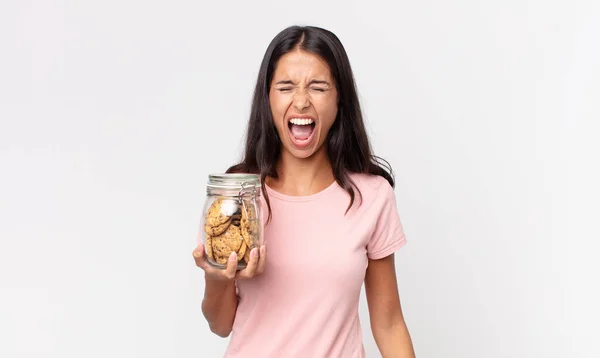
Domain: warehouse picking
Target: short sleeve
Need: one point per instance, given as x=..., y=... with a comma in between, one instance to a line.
x=388, y=235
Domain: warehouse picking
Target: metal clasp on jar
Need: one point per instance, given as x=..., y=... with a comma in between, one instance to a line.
x=247, y=190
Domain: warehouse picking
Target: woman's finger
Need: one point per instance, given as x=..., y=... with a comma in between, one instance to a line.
x=250, y=269
x=231, y=269
x=199, y=256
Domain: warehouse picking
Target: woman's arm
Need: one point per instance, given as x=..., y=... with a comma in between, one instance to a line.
x=387, y=321
x=219, y=305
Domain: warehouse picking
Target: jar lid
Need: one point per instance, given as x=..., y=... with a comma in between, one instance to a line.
x=233, y=180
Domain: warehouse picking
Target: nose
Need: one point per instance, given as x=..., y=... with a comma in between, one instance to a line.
x=301, y=101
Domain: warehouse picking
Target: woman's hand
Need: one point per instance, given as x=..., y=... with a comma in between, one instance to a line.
x=255, y=267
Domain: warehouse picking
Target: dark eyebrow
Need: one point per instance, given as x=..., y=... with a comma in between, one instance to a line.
x=317, y=82
x=320, y=82
x=286, y=82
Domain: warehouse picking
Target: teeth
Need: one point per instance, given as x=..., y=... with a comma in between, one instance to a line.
x=301, y=121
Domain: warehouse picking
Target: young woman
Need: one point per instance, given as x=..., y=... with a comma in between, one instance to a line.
x=332, y=217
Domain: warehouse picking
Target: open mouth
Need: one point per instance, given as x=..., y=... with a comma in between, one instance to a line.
x=301, y=131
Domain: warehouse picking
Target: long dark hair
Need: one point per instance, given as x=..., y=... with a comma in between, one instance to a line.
x=347, y=143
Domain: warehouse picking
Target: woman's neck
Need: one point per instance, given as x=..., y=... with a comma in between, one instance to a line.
x=302, y=177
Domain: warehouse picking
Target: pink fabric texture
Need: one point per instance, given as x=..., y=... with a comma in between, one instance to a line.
x=305, y=304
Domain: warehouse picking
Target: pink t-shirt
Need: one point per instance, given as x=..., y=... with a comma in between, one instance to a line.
x=305, y=304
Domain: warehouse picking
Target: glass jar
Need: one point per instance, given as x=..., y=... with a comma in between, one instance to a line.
x=231, y=218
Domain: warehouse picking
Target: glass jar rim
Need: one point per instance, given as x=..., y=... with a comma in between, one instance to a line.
x=233, y=180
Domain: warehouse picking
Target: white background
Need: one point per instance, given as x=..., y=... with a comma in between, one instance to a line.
x=112, y=114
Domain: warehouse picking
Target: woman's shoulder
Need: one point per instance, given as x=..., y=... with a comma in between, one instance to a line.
x=376, y=194
x=372, y=185
x=369, y=180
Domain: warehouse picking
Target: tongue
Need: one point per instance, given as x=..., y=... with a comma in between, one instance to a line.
x=301, y=132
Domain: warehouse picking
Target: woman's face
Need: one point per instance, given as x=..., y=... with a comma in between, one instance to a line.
x=303, y=100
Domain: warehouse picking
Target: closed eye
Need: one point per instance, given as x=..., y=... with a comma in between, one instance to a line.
x=319, y=89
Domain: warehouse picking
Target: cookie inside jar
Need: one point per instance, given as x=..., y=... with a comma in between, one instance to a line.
x=232, y=221
x=230, y=226
x=228, y=229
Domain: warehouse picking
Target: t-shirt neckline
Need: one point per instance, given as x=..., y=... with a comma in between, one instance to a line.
x=273, y=193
